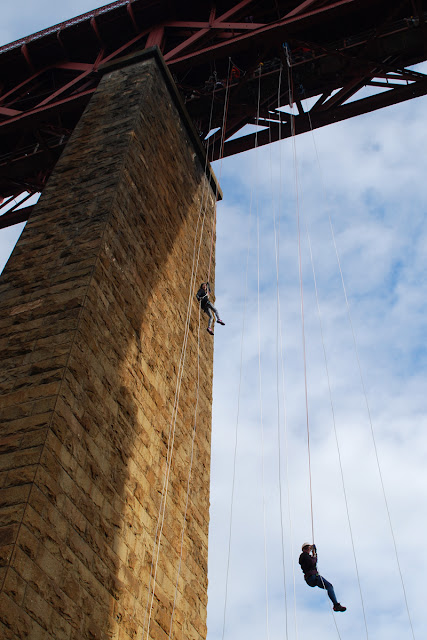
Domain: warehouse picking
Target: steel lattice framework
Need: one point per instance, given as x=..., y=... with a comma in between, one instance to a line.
x=217, y=51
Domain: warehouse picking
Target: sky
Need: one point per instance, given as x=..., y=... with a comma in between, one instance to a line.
x=358, y=192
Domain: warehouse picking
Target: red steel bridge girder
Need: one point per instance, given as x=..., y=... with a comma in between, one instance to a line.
x=215, y=50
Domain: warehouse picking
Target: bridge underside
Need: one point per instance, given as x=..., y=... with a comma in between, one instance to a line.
x=346, y=57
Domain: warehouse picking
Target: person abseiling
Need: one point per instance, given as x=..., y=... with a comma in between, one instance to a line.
x=203, y=297
x=308, y=562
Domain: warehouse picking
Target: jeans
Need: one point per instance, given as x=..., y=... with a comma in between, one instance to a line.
x=208, y=308
x=318, y=581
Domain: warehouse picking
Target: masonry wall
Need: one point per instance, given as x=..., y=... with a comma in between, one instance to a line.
x=93, y=306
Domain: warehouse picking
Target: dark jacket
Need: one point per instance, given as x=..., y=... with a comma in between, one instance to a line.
x=308, y=564
x=203, y=296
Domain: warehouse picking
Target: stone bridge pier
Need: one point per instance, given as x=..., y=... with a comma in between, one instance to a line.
x=93, y=308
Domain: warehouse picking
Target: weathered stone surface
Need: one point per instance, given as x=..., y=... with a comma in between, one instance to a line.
x=93, y=308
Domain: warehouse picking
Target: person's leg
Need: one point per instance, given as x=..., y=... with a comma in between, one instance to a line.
x=324, y=584
x=207, y=310
x=210, y=305
x=216, y=313
x=319, y=581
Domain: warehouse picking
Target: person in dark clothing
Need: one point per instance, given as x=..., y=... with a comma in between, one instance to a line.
x=308, y=562
x=203, y=297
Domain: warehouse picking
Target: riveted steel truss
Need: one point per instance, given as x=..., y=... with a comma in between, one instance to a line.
x=327, y=59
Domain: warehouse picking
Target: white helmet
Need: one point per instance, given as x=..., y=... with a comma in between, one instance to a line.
x=306, y=544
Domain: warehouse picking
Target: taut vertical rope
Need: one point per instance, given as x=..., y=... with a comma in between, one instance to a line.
x=292, y=121
x=224, y=123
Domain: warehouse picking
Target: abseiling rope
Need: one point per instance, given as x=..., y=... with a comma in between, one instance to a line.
x=276, y=228
x=238, y=405
x=287, y=472
x=373, y=437
x=223, y=129
x=189, y=475
x=365, y=398
x=233, y=483
x=236, y=432
x=280, y=347
x=280, y=360
x=292, y=121
x=171, y=437
x=198, y=372
x=332, y=405
x=335, y=429
x=260, y=376
x=194, y=425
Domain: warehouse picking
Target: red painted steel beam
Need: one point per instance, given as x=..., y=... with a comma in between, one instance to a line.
x=120, y=50
x=240, y=41
x=25, y=118
x=354, y=64
x=21, y=85
x=64, y=88
x=94, y=26
x=155, y=37
x=25, y=53
x=19, y=215
x=217, y=24
x=74, y=66
x=304, y=124
x=4, y=111
x=344, y=94
x=204, y=28
x=301, y=7
x=132, y=16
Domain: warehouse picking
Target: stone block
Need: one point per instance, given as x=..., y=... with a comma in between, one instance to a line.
x=14, y=586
